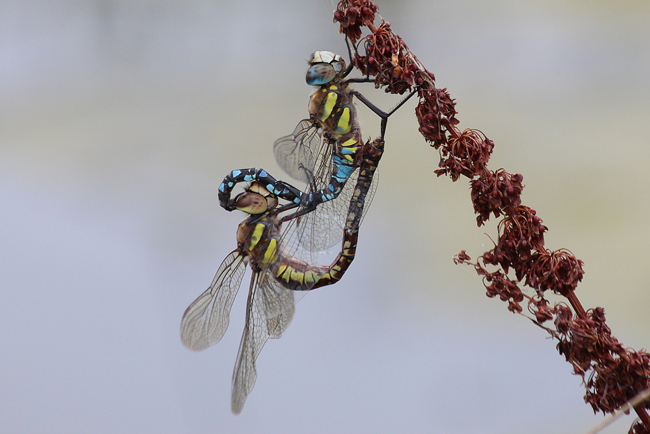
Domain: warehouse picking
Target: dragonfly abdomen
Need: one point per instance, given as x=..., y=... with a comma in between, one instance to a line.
x=298, y=275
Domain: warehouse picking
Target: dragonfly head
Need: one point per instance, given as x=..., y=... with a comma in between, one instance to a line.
x=256, y=200
x=324, y=67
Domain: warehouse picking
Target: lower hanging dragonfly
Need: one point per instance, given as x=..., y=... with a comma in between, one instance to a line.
x=278, y=273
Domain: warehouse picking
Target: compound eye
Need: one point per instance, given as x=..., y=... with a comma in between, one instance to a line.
x=251, y=203
x=320, y=73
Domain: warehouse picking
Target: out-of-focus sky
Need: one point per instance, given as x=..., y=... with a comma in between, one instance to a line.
x=118, y=120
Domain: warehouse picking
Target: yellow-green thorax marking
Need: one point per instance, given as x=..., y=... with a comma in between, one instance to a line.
x=332, y=108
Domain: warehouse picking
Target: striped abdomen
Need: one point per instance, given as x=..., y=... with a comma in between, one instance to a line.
x=298, y=275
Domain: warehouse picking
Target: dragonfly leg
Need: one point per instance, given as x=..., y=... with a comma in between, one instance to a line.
x=382, y=114
x=365, y=79
x=302, y=211
x=311, y=200
x=351, y=65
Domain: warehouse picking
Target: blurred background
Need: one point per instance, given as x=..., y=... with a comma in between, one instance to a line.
x=119, y=119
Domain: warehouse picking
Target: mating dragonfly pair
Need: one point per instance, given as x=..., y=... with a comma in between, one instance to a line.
x=280, y=241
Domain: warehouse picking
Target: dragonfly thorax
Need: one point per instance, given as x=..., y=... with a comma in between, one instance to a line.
x=259, y=239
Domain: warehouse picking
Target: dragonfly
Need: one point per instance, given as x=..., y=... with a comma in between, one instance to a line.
x=279, y=273
x=324, y=151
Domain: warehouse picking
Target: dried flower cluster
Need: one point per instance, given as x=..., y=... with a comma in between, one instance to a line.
x=353, y=17
x=495, y=192
x=588, y=345
x=396, y=69
x=521, y=238
x=612, y=374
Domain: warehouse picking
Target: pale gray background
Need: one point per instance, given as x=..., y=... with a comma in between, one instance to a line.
x=118, y=120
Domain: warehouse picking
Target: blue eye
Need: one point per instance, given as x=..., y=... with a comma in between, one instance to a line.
x=320, y=74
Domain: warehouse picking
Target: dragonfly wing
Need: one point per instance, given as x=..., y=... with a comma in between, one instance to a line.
x=207, y=318
x=253, y=339
x=269, y=312
x=323, y=228
x=307, y=156
x=298, y=152
x=278, y=303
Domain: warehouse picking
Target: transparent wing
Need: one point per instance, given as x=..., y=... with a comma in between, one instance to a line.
x=269, y=311
x=298, y=152
x=306, y=156
x=323, y=228
x=207, y=318
x=278, y=303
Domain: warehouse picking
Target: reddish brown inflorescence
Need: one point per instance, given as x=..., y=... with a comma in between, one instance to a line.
x=612, y=374
x=616, y=374
x=495, y=193
x=353, y=15
x=557, y=270
x=521, y=236
x=436, y=114
x=396, y=69
x=464, y=154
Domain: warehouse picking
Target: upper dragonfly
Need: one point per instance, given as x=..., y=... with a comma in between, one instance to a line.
x=324, y=151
